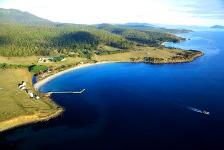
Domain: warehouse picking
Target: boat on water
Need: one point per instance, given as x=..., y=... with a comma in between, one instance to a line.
x=199, y=111
x=206, y=112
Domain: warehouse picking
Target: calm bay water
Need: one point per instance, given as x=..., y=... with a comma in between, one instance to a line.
x=137, y=106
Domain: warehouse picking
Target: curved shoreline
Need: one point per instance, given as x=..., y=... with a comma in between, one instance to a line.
x=26, y=120
x=163, y=61
x=30, y=119
x=39, y=84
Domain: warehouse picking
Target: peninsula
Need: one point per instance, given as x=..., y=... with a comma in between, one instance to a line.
x=35, y=46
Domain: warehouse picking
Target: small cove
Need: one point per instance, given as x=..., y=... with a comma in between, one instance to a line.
x=141, y=106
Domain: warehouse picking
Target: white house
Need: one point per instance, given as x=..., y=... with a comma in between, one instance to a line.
x=31, y=94
x=23, y=83
x=37, y=97
x=45, y=59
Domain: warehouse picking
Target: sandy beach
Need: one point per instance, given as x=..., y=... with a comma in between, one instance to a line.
x=27, y=119
x=44, y=81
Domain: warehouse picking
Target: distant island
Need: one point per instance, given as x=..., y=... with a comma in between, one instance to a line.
x=217, y=27
x=32, y=46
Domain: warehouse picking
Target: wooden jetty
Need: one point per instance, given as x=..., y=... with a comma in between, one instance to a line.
x=66, y=92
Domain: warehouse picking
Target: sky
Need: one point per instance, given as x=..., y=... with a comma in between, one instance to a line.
x=171, y=12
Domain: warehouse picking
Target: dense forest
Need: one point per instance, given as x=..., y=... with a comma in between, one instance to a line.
x=148, y=37
x=26, y=40
x=23, y=34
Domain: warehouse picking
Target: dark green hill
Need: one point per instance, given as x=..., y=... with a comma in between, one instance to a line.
x=20, y=17
x=147, y=37
x=26, y=40
x=23, y=34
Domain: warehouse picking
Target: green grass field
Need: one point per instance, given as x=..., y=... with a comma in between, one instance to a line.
x=141, y=52
x=33, y=60
x=16, y=103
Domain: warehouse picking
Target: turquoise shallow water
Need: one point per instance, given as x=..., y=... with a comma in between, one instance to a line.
x=137, y=106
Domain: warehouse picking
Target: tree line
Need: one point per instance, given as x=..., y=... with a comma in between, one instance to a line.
x=24, y=40
x=28, y=40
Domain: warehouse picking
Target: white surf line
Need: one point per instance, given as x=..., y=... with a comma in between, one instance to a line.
x=39, y=84
x=198, y=110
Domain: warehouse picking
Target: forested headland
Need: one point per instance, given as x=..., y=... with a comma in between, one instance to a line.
x=22, y=34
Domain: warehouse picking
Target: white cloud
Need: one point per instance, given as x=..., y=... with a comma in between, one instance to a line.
x=113, y=11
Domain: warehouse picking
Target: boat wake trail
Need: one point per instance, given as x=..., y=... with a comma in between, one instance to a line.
x=198, y=110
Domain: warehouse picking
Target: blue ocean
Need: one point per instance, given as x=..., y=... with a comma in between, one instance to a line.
x=136, y=105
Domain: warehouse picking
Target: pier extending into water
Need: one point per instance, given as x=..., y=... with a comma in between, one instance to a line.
x=67, y=92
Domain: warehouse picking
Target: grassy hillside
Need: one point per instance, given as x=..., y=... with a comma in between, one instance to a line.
x=16, y=106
